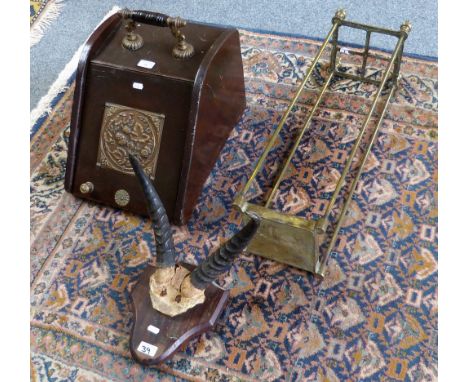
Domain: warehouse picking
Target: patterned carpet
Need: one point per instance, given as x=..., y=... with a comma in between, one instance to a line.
x=374, y=318
x=41, y=14
x=36, y=8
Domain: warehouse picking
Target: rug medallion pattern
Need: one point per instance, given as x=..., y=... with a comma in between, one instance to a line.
x=373, y=318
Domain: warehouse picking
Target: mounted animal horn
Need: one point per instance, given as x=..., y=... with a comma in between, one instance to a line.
x=173, y=288
x=165, y=251
x=193, y=287
x=221, y=260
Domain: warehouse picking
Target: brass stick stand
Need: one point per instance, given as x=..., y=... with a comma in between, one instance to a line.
x=294, y=240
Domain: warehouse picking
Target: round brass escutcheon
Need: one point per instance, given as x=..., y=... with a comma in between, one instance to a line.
x=86, y=188
x=122, y=197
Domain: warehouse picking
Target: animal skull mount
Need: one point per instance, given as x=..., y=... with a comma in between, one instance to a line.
x=173, y=303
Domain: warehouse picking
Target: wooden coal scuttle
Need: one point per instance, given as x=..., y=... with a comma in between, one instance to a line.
x=170, y=98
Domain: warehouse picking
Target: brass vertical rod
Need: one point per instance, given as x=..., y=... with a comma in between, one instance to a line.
x=323, y=221
x=298, y=140
x=396, y=69
x=332, y=243
x=405, y=28
x=366, y=54
x=271, y=142
x=334, y=51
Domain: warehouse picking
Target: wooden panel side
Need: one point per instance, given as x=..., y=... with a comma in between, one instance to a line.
x=218, y=102
x=94, y=43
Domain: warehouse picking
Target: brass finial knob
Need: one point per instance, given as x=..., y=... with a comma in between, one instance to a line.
x=86, y=188
x=406, y=27
x=131, y=40
x=340, y=14
x=182, y=49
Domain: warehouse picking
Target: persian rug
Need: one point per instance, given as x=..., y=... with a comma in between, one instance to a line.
x=373, y=318
x=41, y=14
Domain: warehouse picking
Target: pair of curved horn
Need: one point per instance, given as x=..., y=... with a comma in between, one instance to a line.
x=210, y=268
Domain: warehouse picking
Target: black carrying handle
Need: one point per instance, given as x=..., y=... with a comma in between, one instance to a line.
x=133, y=41
x=146, y=17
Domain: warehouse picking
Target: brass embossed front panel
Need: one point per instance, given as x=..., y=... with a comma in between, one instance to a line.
x=125, y=130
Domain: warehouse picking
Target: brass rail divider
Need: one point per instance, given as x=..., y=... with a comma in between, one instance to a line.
x=294, y=240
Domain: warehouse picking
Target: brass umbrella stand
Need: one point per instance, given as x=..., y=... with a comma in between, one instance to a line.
x=294, y=240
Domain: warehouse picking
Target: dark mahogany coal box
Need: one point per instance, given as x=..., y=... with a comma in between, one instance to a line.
x=192, y=104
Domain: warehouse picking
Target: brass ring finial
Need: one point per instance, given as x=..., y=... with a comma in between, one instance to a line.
x=340, y=14
x=406, y=27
